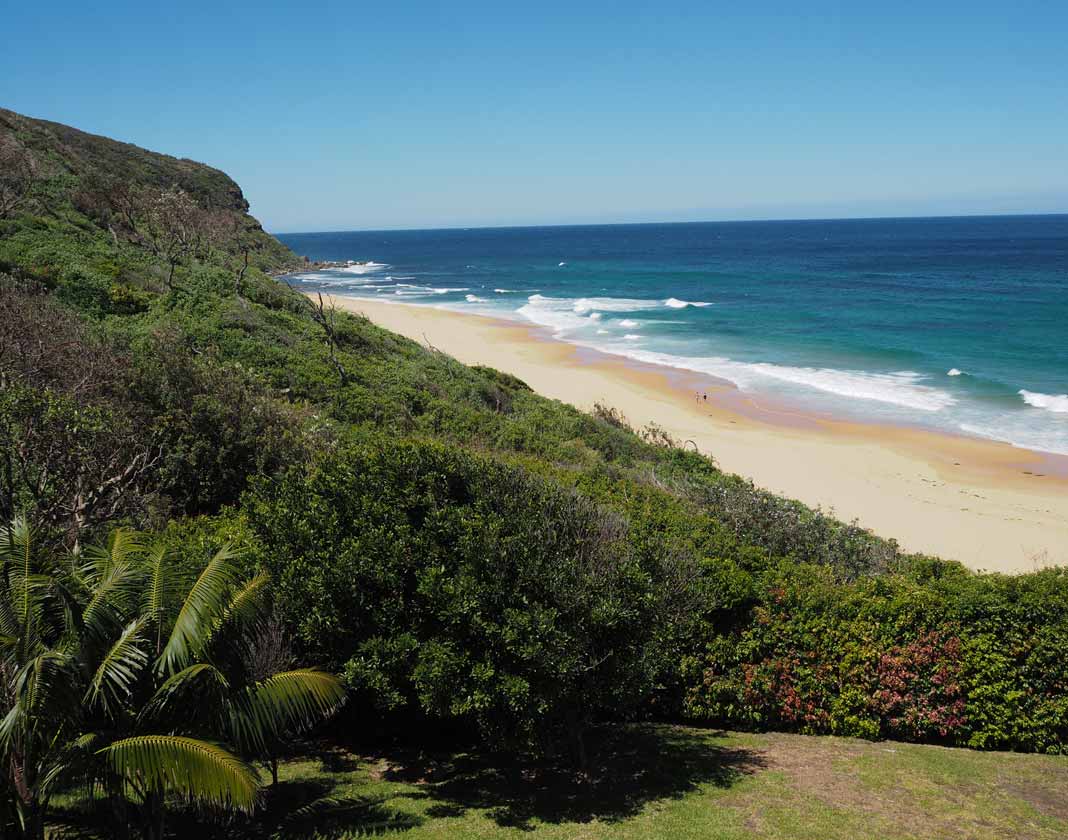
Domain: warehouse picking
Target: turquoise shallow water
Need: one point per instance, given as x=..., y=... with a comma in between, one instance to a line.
x=958, y=324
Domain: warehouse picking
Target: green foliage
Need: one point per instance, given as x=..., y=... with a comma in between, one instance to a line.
x=925, y=653
x=114, y=672
x=186, y=767
x=463, y=588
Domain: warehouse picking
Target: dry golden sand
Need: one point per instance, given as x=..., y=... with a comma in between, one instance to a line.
x=989, y=505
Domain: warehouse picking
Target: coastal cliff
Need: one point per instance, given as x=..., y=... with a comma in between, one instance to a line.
x=69, y=177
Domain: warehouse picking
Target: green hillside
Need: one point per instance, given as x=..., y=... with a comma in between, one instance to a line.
x=478, y=564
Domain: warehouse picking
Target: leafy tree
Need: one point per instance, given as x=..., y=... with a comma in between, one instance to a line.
x=172, y=225
x=460, y=588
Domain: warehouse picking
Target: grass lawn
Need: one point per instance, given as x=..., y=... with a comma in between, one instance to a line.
x=664, y=782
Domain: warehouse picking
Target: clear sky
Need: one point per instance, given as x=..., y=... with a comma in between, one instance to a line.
x=356, y=115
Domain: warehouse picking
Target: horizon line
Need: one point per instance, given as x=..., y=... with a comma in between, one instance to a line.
x=677, y=222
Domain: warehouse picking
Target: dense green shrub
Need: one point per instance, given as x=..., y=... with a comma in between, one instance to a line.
x=464, y=588
x=927, y=653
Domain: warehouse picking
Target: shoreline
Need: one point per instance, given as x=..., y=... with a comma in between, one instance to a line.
x=989, y=505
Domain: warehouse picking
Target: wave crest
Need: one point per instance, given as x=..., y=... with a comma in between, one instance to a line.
x=364, y=268
x=1057, y=403
x=675, y=303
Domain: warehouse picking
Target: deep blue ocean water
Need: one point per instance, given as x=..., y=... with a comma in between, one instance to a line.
x=959, y=324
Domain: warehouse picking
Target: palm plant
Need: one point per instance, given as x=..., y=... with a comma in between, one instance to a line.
x=143, y=680
x=195, y=705
x=41, y=740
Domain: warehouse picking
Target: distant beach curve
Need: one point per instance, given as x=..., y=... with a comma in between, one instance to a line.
x=989, y=505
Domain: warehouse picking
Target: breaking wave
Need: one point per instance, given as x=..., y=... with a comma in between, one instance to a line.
x=1050, y=402
x=675, y=303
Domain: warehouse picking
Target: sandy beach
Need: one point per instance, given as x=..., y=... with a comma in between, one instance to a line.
x=989, y=505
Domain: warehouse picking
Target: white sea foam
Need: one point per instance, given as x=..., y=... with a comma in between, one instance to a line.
x=561, y=265
x=364, y=268
x=559, y=314
x=901, y=395
x=901, y=388
x=502, y=291
x=331, y=278
x=600, y=304
x=1050, y=402
x=1017, y=431
x=474, y=299
x=408, y=290
x=558, y=322
x=610, y=304
x=444, y=290
x=675, y=303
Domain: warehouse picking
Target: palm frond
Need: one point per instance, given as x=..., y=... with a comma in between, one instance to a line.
x=201, y=683
x=45, y=680
x=42, y=689
x=16, y=551
x=197, y=770
x=111, y=600
x=122, y=547
x=201, y=611
x=33, y=603
x=248, y=607
x=161, y=584
x=10, y=724
x=286, y=703
x=74, y=756
x=119, y=669
x=10, y=625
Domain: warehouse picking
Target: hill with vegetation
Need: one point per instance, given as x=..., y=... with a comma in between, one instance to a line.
x=211, y=478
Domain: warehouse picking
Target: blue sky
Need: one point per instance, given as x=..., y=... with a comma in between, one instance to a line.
x=358, y=115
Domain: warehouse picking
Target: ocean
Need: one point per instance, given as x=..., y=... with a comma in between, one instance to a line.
x=953, y=324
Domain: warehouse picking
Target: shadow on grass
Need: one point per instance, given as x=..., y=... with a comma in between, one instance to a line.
x=310, y=808
x=630, y=767
x=299, y=809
